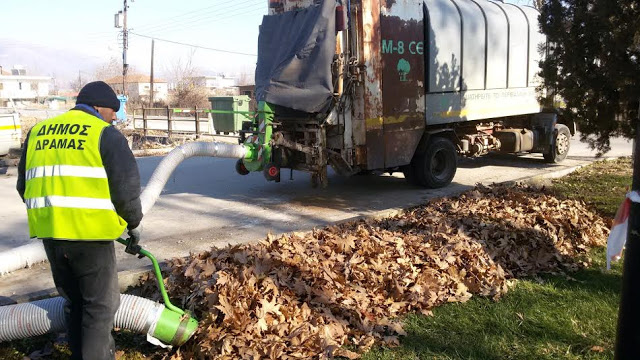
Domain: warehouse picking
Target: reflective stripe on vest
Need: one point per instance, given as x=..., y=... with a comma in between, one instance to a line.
x=66, y=170
x=67, y=190
x=69, y=202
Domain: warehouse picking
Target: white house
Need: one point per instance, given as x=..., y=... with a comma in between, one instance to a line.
x=139, y=86
x=213, y=83
x=16, y=85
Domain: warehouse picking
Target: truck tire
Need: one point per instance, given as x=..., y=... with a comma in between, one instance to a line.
x=437, y=166
x=560, y=147
x=240, y=168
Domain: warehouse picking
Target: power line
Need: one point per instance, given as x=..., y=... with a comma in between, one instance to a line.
x=199, y=24
x=195, y=18
x=116, y=37
x=204, y=21
x=195, y=46
x=200, y=11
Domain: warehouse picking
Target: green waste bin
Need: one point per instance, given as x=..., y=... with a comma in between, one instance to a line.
x=229, y=122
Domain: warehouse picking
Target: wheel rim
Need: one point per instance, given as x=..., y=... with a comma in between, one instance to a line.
x=439, y=165
x=562, y=143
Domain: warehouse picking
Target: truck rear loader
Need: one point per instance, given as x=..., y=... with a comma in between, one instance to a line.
x=397, y=85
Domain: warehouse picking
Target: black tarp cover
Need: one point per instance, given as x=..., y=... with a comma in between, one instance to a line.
x=295, y=52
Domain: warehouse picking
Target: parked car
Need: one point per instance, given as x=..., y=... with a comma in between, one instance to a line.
x=9, y=132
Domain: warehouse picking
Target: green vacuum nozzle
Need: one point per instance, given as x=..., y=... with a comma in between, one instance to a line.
x=174, y=328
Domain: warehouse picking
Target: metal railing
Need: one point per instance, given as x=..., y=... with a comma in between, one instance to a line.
x=172, y=120
x=179, y=120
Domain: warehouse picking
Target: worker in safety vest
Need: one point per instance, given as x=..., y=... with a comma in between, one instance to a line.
x=81, y=185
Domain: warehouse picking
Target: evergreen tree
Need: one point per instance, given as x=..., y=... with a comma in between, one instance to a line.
x=593, y=64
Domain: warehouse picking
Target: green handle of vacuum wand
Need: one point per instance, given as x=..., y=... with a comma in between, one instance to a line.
x=156, y=270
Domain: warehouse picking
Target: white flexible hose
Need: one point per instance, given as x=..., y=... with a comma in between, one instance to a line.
x=178, y=155
x=45, y=316
x=22, y=256
x=27, y=255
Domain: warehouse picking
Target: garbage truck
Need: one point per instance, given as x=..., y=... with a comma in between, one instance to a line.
x=398, y=86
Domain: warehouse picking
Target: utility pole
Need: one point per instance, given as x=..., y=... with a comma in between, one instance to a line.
x=628, y=336
x=125, y=46
x=121, y=22
x=151, y=80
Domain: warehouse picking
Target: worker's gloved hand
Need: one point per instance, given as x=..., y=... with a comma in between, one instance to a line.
x=132, y=246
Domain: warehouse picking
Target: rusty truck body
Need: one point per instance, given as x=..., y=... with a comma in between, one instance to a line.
x=399, y=85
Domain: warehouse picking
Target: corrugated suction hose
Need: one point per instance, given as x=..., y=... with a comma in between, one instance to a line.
x=27, y=255
x=178, y=155
x=46, y=316
x=135, y=313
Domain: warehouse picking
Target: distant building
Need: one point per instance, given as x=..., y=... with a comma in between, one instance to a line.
x=139, y=86
x=17, y=86
x=215, y=83
x=248, y=90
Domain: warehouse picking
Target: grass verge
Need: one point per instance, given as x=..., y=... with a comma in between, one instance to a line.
x=547, y=317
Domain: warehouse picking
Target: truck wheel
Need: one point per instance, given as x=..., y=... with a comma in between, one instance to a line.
x=560, y=147
x=437, y=166
x=240, y=168
x=272, y=172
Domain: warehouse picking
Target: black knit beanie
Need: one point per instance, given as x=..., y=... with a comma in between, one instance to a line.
x=98, y=93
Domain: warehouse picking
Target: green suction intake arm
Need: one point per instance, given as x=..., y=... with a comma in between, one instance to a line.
x=174, y=326
x=156, y=270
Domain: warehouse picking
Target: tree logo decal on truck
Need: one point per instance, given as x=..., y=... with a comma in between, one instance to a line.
x=403, y=69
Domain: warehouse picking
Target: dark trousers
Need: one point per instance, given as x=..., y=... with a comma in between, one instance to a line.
x=85, y=275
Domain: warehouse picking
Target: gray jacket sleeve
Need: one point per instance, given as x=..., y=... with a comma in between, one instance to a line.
x=123, y=175
x=21, y=185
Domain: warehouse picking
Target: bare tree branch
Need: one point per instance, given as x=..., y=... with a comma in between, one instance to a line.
x=187, y=92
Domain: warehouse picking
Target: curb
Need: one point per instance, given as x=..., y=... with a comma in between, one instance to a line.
x=397, y=211
x=152, y=152
x=166, y=150
x=9, y=162
x=131, y=277
x=34, y=296
x=126, y=279
x=550, y=175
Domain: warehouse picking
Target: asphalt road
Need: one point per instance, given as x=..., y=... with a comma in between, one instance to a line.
x=205, y=204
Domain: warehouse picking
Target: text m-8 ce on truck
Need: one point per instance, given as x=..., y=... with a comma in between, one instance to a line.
x=397, y=85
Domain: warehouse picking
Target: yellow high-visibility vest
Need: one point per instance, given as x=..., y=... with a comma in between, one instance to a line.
x=67, y=190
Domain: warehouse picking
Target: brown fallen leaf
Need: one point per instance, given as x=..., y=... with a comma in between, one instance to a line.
x=346, y=353
x=308, y=294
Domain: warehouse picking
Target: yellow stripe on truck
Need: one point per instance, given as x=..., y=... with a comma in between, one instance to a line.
x=9, y=127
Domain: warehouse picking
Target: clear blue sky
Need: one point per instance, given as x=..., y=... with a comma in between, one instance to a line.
x=84, y=31
x=86, y=28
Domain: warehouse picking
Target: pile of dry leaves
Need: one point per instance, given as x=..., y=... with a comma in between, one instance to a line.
x=305, y=295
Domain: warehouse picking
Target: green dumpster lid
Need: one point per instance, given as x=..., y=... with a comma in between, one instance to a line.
x=235, y=97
